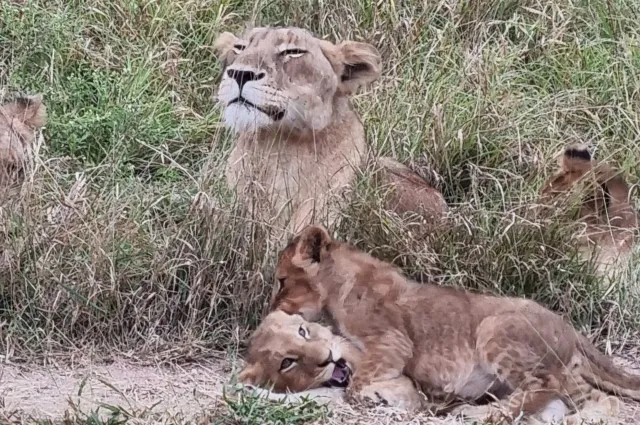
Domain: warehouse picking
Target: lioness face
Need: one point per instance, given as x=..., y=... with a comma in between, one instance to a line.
x=286, y=78
x=291, y=354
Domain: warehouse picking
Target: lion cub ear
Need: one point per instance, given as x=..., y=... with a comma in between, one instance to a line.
x=251, y=374
x=224, y=47
x=312, y=242
x=575, y=157
x=362, y=65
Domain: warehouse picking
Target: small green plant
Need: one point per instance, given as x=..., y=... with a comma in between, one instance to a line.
x=252, y=409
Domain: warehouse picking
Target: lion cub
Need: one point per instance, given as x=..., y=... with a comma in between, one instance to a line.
x=456, y=344
x=18, y=121
x=605, y=208
x=299, y=143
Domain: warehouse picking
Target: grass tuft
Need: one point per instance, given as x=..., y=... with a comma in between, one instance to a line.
x=124, y=236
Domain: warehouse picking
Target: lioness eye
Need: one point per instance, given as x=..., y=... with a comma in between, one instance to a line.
x=302, y=332
x=238, y=47
x=293, y=53
x=286, y=364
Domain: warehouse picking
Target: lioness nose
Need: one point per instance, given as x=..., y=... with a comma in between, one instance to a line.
x=244, y=76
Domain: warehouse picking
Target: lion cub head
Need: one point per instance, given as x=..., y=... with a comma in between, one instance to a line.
x=297, y=262
x=313, y=268
x=285, y=77
x=288, y=353
x=603, y=196
x=18, y=121
x=605, y=193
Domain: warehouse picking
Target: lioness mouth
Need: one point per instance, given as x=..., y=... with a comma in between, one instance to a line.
x=273, y=112
x=340, y=376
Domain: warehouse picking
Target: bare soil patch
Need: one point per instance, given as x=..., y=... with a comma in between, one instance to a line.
x=155, y=393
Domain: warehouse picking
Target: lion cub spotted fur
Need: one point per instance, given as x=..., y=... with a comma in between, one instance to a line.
x=604, y=206
x=19, y=120
x=455, y=344
x=299, y=143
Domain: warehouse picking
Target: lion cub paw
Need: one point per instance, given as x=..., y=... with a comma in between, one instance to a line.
x=487, y=413
x=388, y=394
x=605, y=410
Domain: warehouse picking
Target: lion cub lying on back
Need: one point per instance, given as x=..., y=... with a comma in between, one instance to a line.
x=456, y=344
x=299, y=143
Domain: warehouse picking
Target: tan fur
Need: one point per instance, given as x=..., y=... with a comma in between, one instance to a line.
x=456, y=344
x=407, y=192
x=604, y=206
x=18, y=121
x=299, y=143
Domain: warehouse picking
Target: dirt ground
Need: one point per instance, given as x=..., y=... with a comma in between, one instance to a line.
x=155, y=393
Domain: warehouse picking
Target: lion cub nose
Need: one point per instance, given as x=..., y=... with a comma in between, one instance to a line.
x=243, y=76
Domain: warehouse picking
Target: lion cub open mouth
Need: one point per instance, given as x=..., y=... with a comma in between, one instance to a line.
x=341, y=375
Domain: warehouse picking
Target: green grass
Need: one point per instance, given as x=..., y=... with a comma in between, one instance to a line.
x=241, y=409
x=248, y=409
x=478, y=96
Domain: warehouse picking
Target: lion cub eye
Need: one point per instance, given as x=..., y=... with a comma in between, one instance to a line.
x=293, y=53
x=302, y=332
x=237, y=48
x=287, y=364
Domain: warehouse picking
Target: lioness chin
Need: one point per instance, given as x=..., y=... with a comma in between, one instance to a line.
x=455, y=344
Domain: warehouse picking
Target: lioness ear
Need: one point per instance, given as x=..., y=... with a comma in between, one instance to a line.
x=312, y=241
x=362, y=65
x=30, y=110
x=251, y=374
x=224, y=47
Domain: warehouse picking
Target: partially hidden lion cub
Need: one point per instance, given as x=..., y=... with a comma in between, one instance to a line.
x=19, y=120
x=455, y=344
x=604, y=206
x=299, y=143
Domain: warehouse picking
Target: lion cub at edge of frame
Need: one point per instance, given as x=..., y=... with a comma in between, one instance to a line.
x=455, y=344
x=19, y=121
x=606, y=209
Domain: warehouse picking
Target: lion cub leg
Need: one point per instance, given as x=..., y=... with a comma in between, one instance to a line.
x=398, y=392
x=524, y=358
x=380, y=379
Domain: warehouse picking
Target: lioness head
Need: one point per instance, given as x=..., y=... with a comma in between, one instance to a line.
x=285, y=77
x=603, y=191
x=291, y=354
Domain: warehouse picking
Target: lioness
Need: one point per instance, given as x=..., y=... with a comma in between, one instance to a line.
x=456, y=344
x=18, y=121
x=610, y=220
x=299, y=143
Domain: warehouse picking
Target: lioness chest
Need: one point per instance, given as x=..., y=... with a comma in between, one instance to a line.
x=300, y=178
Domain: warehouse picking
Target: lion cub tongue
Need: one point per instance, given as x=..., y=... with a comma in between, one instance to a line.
x=339, y=374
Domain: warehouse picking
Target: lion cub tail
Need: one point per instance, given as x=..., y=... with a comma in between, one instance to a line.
x=603, y=374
